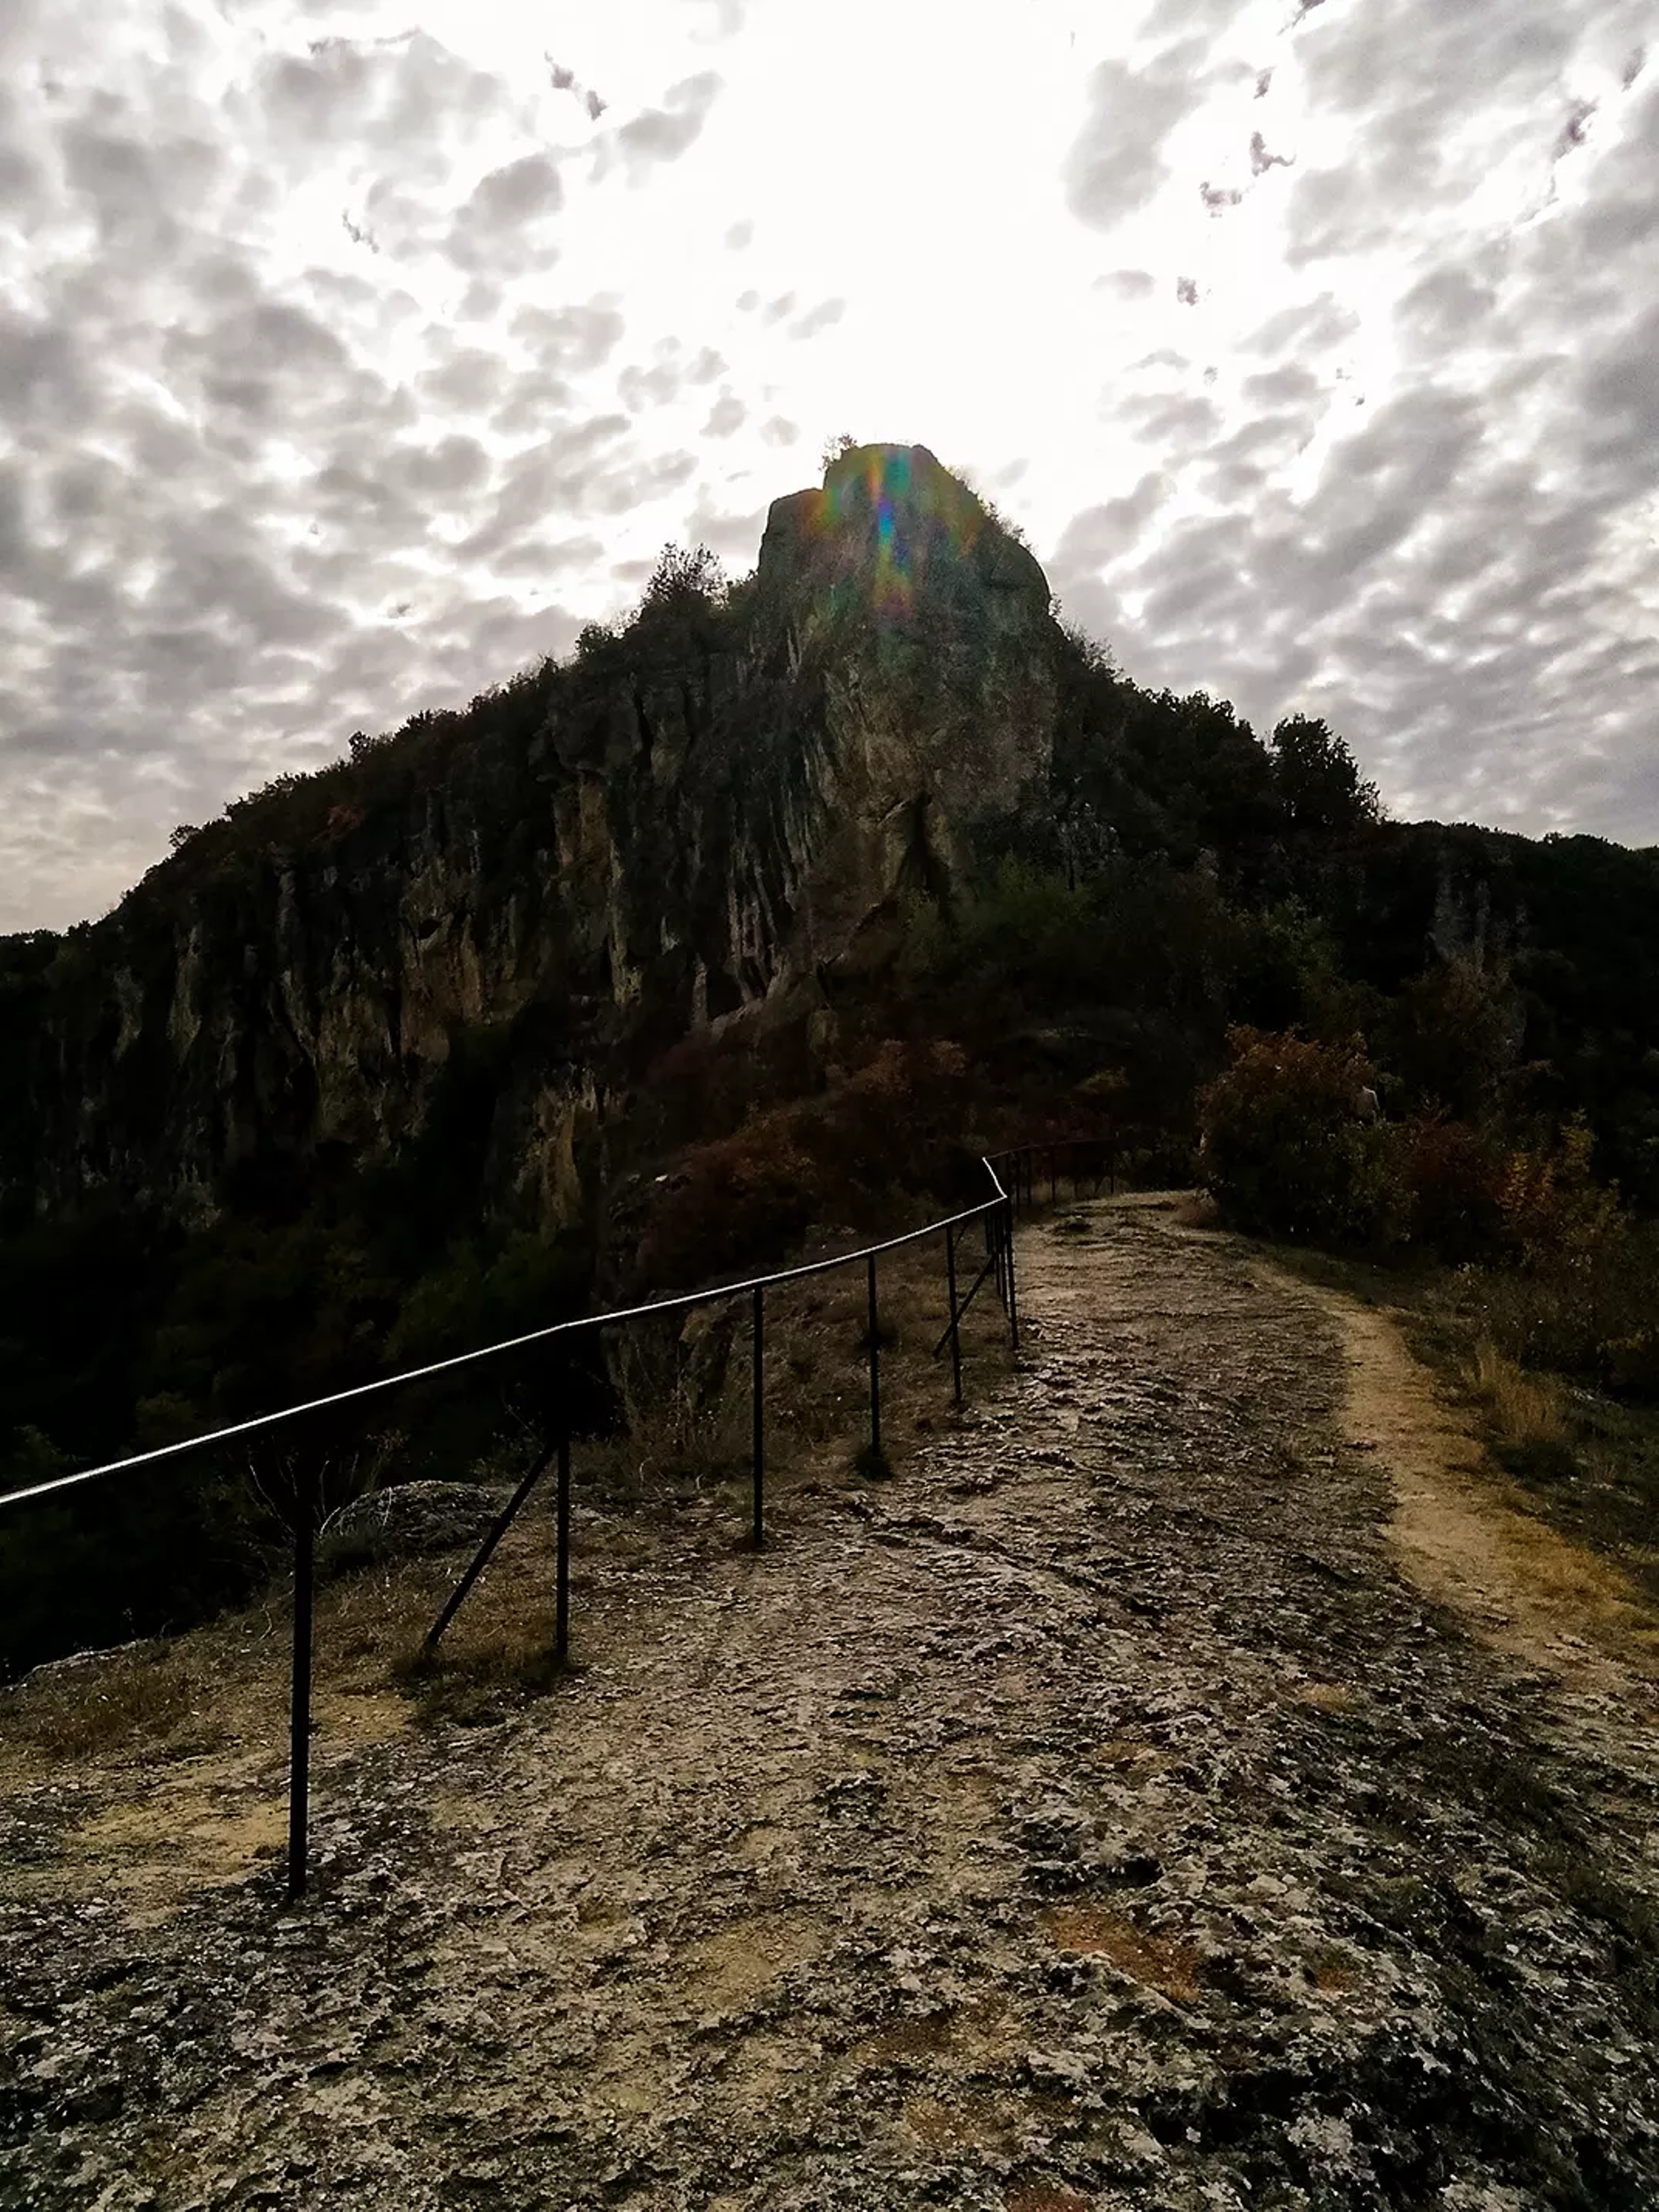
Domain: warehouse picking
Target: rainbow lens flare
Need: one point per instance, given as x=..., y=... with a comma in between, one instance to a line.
x=913, y=509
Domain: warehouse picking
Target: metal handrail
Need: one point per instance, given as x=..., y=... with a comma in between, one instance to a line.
x=998, y=1214
x=679, y=1304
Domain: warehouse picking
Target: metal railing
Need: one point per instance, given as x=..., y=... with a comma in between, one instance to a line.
x=997, y=1213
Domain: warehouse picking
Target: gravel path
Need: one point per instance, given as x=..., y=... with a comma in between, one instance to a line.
x=1092, y=1817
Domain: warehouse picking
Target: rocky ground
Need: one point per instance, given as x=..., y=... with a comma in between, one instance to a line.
x=1097, y=1815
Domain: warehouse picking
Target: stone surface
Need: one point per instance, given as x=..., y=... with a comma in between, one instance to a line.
x=409, y=1518
x=1092, y=1817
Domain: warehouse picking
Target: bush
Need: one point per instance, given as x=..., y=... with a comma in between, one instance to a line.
x=1594, y=1311
x=1555, y=1215
x=1285, y=1150
x=734, y=1203
x=893, y=1120
x=1453, y=1175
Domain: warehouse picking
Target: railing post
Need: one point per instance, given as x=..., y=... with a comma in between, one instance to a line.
x=562, y=1570
x=1013, y=1304
x=759, y=1407
x=875, y=1370
x=956, y=1333
x=298, y=1713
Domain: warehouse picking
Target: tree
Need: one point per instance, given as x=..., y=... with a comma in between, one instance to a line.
x=1317, y=781
x=681, y=574
x=842, y=442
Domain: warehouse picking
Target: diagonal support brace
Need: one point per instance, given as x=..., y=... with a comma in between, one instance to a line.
x=963, y=1307
x=504, y=1520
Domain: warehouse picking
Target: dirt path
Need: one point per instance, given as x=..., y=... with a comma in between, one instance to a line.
x=1464, y=1534
x=1093, y=1817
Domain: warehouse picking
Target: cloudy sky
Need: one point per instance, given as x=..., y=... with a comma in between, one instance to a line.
x=351, y=356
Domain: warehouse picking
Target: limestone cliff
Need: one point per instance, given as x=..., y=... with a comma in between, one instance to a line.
x=703, y=817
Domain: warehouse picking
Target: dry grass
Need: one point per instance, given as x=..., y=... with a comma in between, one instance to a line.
x=153, y=1693
x=481, y=1678
x=1526, y=1410
x=816, y=1342
x=677, y=1440
x=680, y=1474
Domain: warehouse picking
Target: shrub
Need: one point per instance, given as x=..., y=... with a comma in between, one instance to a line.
x=1286, y=1150
x=893, y=1119
x=1453, y=1174
x=1594, y=1314
x=734, y=1203
x=1554, y=1214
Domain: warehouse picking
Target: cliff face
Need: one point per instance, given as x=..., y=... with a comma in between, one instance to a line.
x=699, y=819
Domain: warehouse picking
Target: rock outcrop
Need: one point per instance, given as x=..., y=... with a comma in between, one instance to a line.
x=504, y=916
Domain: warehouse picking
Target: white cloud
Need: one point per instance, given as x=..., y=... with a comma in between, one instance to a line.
x=1119, y=160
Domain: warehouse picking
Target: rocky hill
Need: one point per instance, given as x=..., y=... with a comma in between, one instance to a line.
x=692, y=822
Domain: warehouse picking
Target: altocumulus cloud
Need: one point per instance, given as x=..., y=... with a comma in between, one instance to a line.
x=342, y=375
x=303, y=427
x=1421, y=498
x=663, y=134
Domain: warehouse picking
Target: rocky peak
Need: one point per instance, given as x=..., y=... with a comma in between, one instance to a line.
x=889, y=528
x=704, y=816
x=933, y=628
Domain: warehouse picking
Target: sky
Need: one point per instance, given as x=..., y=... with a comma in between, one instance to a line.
x=352, y=357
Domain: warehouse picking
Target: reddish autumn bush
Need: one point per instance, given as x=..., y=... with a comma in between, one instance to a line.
x=737, y=1204
x=893, y=1120
x=1452, y=1174
x=1288, y=1149
x=860, y=1153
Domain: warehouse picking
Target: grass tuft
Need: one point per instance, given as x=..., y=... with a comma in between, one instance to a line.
x=1526, y=1414
x=481, y=1681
